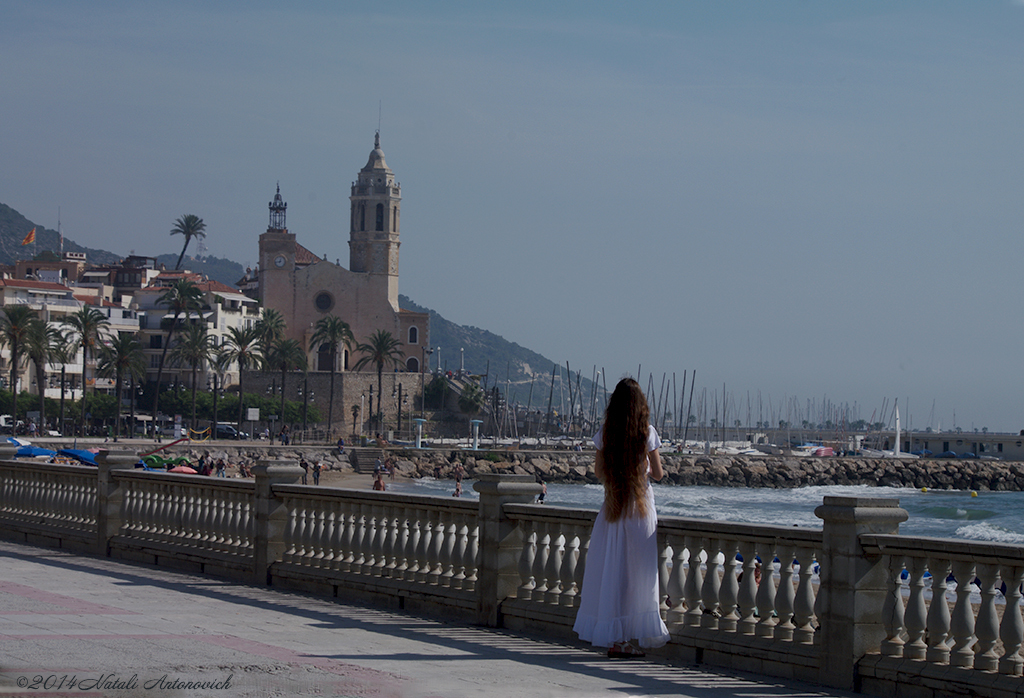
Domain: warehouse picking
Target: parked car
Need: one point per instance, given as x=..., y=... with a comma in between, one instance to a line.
x=228, y=431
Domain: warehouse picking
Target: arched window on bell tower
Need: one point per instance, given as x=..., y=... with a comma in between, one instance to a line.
x=380, y=217
x=362, y=216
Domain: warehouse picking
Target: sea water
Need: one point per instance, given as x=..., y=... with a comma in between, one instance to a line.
x=989, y=516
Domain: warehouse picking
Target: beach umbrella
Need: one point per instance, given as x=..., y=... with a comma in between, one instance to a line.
x=79, y=454
x=33, y=452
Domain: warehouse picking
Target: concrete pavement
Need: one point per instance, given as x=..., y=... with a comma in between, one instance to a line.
x=73, y=625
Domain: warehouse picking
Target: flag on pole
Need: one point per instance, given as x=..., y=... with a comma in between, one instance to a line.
x=30, y=238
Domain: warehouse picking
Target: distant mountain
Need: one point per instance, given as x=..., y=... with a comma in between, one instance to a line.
x=486, y=351
x=14, y=227
x=216, y=268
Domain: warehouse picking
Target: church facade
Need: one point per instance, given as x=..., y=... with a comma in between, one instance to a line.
x=305, y=288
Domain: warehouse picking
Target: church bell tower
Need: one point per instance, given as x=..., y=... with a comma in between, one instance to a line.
x=373, y=224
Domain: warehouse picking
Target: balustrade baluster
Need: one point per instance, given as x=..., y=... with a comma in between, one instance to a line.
x=437, y=536
x=730, y=588
x=389, y=536
x=317, y=558
x=570, y=555
x=664, y=572
x=412, y=545
x=694, y=581
x=553, y=572
x=377, y=536
x=711, y=587
x=403, y=535
x=470, y=560
x=915, y=618
x=348, y=537
x=938, y=612
x=332, y=534
x=540, y=563
x=962, y=621
x=583, y=533
x=459, y=551
x=987, y=626
x=747, y=623
x=803, y=603
x=892, y=608
x=291, y=521
x=424, y=568
x=1011, y=629
x=308, y=532
x=785, y=596
x=447, y=528
x=766, y=594
x=360, y=541
x=147, y=528
x=526, y=559
x=676, y=581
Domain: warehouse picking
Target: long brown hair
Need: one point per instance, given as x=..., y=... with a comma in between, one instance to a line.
x=625, y=451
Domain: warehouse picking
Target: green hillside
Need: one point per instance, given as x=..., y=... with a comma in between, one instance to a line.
x=13, y=229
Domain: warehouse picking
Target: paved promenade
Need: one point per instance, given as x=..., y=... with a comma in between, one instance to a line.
x=81, y=626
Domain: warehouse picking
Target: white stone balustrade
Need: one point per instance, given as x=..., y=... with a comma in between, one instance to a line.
x=191, y=512
x=44, y=495
x=429, y=541
x=919, y=624
x=885, y=612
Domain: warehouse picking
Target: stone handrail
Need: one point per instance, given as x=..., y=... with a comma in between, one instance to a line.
x=822, y=605
x=924, y=629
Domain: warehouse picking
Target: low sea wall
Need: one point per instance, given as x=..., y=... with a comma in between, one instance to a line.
x=680, y=469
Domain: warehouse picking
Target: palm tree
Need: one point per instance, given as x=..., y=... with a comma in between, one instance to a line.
x=193, y=348
x=381, y=349
x=89, y=324
x=243, y=348
x=182, y=298
x=270, y=327
x=333, y=332
x=285, y=354
x=219, y=362
x=16, y=324
x=122, y=357
x=191, y=226
x=355, y=418
x=471, y=400
x=40, y=346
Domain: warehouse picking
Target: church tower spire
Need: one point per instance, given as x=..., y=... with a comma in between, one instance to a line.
x=373, y=224
x=277, y=212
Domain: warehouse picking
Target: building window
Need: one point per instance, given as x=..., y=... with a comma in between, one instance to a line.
x=394, y=219
x=323, y=358
x=412, y=365
x=414, y=335
x=323, y=301
x=362, y=216
x=156, y=341
x=380, y=217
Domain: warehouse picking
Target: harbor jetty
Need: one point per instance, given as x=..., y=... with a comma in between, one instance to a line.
x=680, y=469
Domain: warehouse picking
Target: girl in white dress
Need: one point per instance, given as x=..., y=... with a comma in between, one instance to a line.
x=619, y=598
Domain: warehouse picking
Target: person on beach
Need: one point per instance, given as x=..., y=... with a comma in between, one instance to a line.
x=619, y=599
x=378, y=483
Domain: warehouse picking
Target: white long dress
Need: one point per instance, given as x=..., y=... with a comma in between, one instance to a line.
x=619, y=598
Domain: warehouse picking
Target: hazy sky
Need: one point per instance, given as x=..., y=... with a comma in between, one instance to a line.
x=804, y=199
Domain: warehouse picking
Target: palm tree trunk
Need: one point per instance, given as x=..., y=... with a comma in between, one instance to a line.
x=14, y=387
x=330, y=401
x=117, y=393
x=63, y=375
x=284, y=374
x=193, y=425
x=40, y=377
x=160, y=369
x=241, y=396
x=380, y=397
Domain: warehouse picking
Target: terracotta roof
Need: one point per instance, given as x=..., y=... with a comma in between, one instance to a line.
x=29, y=283
x=217, y=287
x=304, y=256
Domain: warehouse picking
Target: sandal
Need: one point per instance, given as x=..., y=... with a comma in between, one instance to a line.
x=625, y=650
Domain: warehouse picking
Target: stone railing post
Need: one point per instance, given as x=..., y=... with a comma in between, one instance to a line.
x=500, y=541
x=109, y=495
x=853, y=585
x=270, y=515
